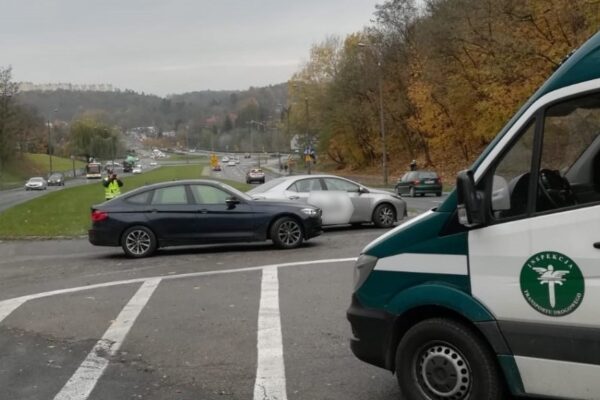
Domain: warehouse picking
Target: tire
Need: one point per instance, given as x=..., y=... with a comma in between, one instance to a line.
x=384, y=216
x=439, y=194
x=464, y=367
x=138, y=241
x=286, y=233
x=412, y=192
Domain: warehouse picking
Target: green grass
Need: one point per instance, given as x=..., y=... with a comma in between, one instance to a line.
x=41, y=162
x=184, y=157
x=66, y=212
x=19, y=170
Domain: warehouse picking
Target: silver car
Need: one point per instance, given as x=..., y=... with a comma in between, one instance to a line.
x=342, y=200
x=36, y=183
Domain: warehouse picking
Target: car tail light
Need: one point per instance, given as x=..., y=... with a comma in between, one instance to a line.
x=98, y=216
x=416, y=182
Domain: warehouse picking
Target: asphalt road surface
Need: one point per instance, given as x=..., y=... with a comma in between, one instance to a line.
x=204, y=322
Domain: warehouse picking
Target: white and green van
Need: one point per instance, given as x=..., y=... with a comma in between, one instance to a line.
x=497, y=291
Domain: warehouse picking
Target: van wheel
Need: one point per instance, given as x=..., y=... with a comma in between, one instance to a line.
x=384, y=216
x=442, y=359
x=286, y=233
x=138, y=242
x=412, y=192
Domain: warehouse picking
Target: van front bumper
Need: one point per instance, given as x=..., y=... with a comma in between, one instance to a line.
x=372, y=334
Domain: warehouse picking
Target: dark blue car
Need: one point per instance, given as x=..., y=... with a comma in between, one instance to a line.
x=198, y=212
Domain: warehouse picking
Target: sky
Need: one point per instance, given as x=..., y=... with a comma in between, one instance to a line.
x=170, y=46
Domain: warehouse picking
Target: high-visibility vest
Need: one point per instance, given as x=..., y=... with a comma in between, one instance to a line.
x=112, y=190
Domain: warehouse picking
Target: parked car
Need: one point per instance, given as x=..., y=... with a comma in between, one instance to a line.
x=255, y=175
x=56, y=179
x=231, y=163
x=225, y=159
x=137, y=169
x=153, y=163
x=420, y=183
x=217, y=167
x=247, y=155
x=198, y=212
x=342, y=201
x=36, y=183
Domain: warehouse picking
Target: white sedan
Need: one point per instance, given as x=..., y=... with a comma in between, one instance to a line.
x=231, y=163
x=137, y=169
x=343, y=201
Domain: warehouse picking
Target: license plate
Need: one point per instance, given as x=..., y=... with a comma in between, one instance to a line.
x=429, y=182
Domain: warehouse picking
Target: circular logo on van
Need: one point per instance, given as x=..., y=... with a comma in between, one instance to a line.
x=552, y=283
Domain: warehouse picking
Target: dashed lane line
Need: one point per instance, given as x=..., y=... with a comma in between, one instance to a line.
x=270, y=369
x=81, y=384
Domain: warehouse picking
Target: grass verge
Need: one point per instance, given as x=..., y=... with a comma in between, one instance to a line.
x=66, y=212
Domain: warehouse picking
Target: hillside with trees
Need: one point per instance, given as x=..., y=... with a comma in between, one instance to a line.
x=452, y=74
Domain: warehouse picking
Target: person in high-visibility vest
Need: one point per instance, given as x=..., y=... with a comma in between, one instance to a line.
x=112, y=187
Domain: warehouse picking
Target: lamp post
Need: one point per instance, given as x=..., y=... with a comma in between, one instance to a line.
x=308, y=150
x=381, y=119
x=50, y=140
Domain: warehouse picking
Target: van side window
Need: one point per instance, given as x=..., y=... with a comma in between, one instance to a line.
x=570, y=162
x=510, y=187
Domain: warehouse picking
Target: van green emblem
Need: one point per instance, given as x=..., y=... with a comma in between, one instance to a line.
x=552, y=283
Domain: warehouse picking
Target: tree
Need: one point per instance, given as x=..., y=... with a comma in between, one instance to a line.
x=91, y=138
x=8, y=125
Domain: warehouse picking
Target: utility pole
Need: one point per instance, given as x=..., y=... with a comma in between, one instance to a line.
x=381, y=116
x=308, y=148
x=49, y=146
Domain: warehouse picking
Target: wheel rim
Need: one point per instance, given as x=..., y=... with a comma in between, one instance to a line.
x=138, y=242
x=289, y=233
x=443, y=372
x=386, y=216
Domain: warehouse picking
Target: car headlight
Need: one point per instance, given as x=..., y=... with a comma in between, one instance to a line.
x=362, y=269
x=312, y=212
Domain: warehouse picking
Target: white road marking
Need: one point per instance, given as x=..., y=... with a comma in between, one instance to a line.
x=8, y=304
x=270, y=369
x=81, y=384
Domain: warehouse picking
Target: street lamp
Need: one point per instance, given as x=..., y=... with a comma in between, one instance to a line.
x=381, y=123
x=308, y=142
x=50, y=139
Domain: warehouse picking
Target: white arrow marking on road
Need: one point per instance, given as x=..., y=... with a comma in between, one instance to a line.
x=81, y=384
x=270, y=370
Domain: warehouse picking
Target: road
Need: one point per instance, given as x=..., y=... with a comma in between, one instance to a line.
x=238, y=173
x=183, y=324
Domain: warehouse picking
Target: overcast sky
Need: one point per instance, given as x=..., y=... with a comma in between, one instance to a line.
x=169, y=46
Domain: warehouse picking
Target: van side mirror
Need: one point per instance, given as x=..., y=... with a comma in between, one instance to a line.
x=471, y=209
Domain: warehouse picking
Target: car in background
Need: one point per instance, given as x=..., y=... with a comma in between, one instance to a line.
x=237, y=160
x=198, y=212
x=137, y=169
x=56, y=179
x=419, y=183
x=36, y=183
x=217, y=167
x=255, y=175
x=342, y=201
x=247, y=155
x=153, y=163
x=231, y=163
x=225, y=159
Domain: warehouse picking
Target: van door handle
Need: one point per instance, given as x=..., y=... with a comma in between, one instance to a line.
x=597, y=245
